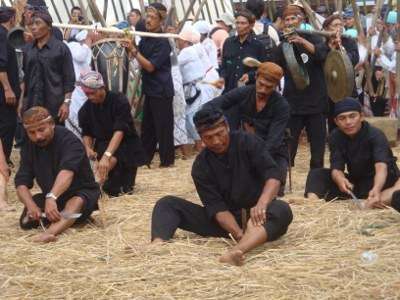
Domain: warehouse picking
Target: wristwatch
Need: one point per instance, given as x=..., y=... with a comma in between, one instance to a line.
x=107, y=154
x=51, y=195
x=67, y=101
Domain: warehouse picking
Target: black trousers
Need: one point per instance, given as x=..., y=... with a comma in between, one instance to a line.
x=8, y=125
x=171, y=213
x=121, y=179
x=158, y=127
x=315, y=126
x=319, y=182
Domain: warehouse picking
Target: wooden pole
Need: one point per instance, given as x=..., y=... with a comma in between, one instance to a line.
x=96, y=13
x=124, y=15
x=379, y=4
x=186, y=16
x=269, y=7
x=327, y=6
x=115, y=10
x=210, y=18
x=223, y=6
x=105, y=8
x=311, y=15
x=130, y=4
x=67, y=9
x=216, y=8
x=199, y=10
x=56, y=11
x=142, y=7
x=340, y=7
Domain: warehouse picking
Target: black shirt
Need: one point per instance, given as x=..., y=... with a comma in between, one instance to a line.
x=100, y=121
x=269, y=123
x=8, y=64
x=235, y=179
x=49, y=75
x=351, y=47
x=65, y=152
x=360, y=153
x=233, y=53
x=313, y=99
x=158, y=83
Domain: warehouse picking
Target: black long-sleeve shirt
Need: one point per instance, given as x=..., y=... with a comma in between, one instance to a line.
x=49, y=75
x=65, y=152
x=100, y=121
x=8, y=64
x=159, y=83
x=269, y=123
x=233, y=53
x=313, y=99
x=360, y=153
x=235, y=179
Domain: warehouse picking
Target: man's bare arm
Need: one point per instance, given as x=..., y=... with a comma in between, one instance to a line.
x=228, y=222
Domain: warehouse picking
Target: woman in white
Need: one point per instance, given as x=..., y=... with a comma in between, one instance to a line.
x=81, y=58
x=193, y=72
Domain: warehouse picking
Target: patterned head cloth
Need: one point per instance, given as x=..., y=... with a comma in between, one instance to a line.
x=6, y=13
x=35, y=116
x=292, y=10
x=91, y=80
x=270, y=71
x=158, y=8
x=208, y=118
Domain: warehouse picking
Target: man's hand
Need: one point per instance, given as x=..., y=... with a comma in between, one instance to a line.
x=296, y=39
x=244, y=79
x=374, y=199
x=377, y=52
x=130, y=47
x=238, y=235
x=10, y=97
x=63, y=112
x=344, y=185
x=258, y=213
x=103, y=168
x=91, y=154
x=4, y=169
x=34, y=212
x=51, y=210
x=219, y=84
x=335, y=42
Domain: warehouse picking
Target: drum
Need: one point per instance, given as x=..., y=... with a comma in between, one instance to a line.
x=111, y=60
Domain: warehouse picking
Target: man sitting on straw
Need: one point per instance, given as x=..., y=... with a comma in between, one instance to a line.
x=56, y=158
x=365, y=151
x=233, y=172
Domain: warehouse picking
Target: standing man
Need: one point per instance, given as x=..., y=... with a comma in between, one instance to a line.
x=4, y=177
x=234, y=171
x=49, y=71
x=308, y=106
x=153, y=55
x=9, y=82
x=55, y=158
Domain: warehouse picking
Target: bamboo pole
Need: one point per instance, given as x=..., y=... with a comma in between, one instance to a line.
x=96, y=13
x=105, y=8
x=210, y=18
x=124, y=15
x=223, y=6
x=269, y=7
x=116, y=30
x=66, y=9
x=115, y=10
x=216, y=8
x=56, y=11
x=340, y=7
x=311, y=15
x=186, y=16
x=199, y=10
x=379, y=4
x=142, y=7
x=130, y=4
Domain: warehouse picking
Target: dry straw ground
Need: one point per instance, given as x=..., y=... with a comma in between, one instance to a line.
x=319, y=258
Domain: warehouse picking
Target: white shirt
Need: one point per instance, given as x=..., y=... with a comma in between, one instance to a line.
x=190, y=64
x=388, y=63
x=211, y=50
x=81, y=57
x=387, y=47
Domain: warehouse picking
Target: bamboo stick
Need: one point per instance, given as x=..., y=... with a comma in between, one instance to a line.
x=96, y=13
x=66, y=9
x=199, y=10
x=105, y=8
x=187, y=13
x=56, y=11
x=84, y=11
x=216, y=8
x=311, y=15
x=115, y=10
x=124, y=15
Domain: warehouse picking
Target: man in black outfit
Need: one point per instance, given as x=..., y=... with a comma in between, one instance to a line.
x=308, y=106
x=55, y=158
x=9, y=82
x=153, y=55
x=109, y=135
x=234, y=171
x=49, y=71
x=262, y=110
x=372, y=171
x=334, y=23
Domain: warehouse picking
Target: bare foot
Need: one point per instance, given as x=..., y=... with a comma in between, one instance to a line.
x=233, y=257
x=5, y=207
x=45, y=238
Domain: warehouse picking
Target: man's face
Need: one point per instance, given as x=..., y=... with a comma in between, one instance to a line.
x=76, y=13
x=379, y=25
x=96, y=96
x=349, y=122
x=28, y=14
x=42, y=134
x=349, y=22
x=216, y=139
x=133, y=18
x=39, y=28
x=336, y=25
x=153, y=21
x=264, y=87
x=292, y=21
x=243, y=26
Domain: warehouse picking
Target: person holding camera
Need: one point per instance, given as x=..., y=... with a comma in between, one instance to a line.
x=77, y=19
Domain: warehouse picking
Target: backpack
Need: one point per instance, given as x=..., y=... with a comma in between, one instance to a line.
x=268, y=43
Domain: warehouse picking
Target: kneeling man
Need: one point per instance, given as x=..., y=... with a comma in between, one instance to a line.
x=372, y=171
x=233, y=172
x=56, y=158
